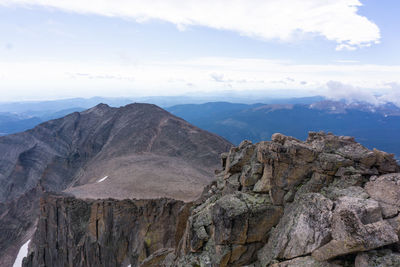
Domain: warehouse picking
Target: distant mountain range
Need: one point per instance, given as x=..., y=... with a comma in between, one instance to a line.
x=20, y=116
x=374, y=127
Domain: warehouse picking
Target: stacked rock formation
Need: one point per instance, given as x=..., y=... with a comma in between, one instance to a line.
x=327, y=201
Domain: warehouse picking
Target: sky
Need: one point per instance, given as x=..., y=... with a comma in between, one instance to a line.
x=52, y=49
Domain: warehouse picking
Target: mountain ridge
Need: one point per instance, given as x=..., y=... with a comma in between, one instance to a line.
x=144, y=151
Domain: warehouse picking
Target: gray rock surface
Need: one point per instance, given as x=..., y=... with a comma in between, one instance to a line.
x=73, y=232
x=357, y=225
x=304, y=227
x=304, y=262
x=380, y=258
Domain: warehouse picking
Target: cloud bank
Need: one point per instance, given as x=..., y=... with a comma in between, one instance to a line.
x=56, y=79
x=282, y=20
x=390, y=93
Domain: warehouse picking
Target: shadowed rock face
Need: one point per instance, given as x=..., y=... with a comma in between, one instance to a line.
x=284, y=203
x=144, y=151
x=104, y=232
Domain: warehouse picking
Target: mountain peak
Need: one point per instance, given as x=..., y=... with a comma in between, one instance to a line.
x=136, y=151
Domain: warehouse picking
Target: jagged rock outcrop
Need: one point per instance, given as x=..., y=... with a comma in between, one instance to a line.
x=326, y=202
x=311, y=190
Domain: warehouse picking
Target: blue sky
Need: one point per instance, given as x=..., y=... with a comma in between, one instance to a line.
x=339, y=48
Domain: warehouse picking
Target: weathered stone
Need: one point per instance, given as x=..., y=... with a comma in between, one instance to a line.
x=198, y=237
x=157, y=258
x=330, y=163
x=243, y=218
x=357, y=153
x=238, y=157
x=336, y=248
x=385, y=162
x=389, y=211
x=261, y=219
x=251, y=174
x=357, y=225
x=315, y=184
x=385, y=188
x=277, y=195
x=346, y=171
x=74, y=232
x=228, y=215
x=334, y=192
x=304, y=262
x=304, y=227
x=367, y=210
x=378, y=258
x=279, y=138
x=264, y=184
x=232, y=184
x=237, y=251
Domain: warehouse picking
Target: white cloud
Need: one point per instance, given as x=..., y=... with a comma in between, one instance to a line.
x=338, y=91
x=341, y=47
x=52, y=79
x=393, y=95
x=346, y=61
x=388, y=93
x=336, y=20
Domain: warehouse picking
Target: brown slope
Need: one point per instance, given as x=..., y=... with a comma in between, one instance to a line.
x=145, y=151
x=149, y=154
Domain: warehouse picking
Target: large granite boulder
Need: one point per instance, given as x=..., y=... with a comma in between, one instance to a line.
x=357, y=225
x=304, y=227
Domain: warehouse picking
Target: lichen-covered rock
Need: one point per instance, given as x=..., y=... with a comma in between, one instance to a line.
x=385, y=189
x=304, y=227
x=378, y=258
x=357, y=225
x=229, y=229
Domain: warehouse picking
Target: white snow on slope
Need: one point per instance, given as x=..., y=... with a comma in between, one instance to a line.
x=23, y=252
x=102, y=179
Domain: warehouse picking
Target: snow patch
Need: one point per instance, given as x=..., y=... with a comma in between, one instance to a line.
x=102, y=179
x=23, y=252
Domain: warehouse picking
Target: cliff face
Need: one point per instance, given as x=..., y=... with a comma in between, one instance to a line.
x=327, y=201
x=74, y=232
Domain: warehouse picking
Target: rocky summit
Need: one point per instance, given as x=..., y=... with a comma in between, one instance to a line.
x=326, y=202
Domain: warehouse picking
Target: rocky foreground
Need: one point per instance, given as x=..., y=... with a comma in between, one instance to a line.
x=324, y=202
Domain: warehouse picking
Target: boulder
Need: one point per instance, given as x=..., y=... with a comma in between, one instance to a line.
x=357, y=225
x=304, y=227
x=385, y=188
x=378, y=258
